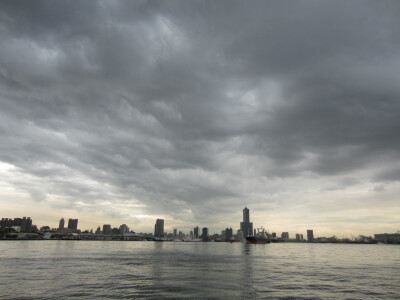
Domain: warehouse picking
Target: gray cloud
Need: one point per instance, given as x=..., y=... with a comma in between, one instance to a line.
x=190, y=106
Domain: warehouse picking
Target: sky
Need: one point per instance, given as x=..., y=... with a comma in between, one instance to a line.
x=119, y=112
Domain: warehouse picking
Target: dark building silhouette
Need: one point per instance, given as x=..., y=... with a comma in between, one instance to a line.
x=246, y=226
x=17, y=222
x=61, y=224
x=98, y=230
x=310, y=235
x=159, y=228
x=196, y=232
x=123, y=229
x=204, y=234
x=106, y=229
x=73, y=224
x=6, y=222
x=26, y=224
x=285, y=235
x=228, y=234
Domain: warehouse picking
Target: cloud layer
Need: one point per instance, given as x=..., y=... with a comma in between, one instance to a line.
x=191, y=110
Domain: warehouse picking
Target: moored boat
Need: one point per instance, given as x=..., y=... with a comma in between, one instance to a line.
x=261, y=237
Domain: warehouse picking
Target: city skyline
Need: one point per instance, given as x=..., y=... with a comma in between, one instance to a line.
x=26, y=224
x=126, y=112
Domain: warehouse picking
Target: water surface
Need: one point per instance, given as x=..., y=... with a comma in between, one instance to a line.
x=115, y=270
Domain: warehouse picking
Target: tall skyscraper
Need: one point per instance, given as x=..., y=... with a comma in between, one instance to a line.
x=61, y=224
x=310, y=235
x=159, y=228
x=246, y=226
x=73, y=224
x=196, y=232
x=204, y=234
x=246, y=215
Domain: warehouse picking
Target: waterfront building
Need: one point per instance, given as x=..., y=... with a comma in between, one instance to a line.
x=228, y=234
x=26, y=224
x=123, y=229
x=175, y=233
x=6, y=223
x=310, y=235
x=274, y=234
x=45, y=228
x=297, y=236
x=196, y=232
x=18, y=222
x=159, y=228
x=204, y=234
x=61, y=224
x=246, y=226
x=285, y=235
x=389, y=238
x=107, y=229
x=73, y=224
x=98, y=230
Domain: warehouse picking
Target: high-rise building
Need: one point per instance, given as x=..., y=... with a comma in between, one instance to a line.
x=310, y=235
x=297, y=237
x=73, y=224
x=6, y=222
x=196, y=232
x=204, y=234
x=98, y=230
x=159, y=228
x=175, y=233
x=246, y=215
x=285, y=235
x=61, y=224
x=17, y=222
x=246, y=226
x=106, y=229
x=228, y=234
x=123, y=229
x=26, y=224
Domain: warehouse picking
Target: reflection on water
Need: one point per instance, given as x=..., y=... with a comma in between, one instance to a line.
x=106, y=269
x=246, y=271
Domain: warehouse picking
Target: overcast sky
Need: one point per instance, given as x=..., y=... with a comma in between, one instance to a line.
x=128, y=111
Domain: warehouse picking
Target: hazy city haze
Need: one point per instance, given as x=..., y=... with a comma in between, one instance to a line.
x=128, y=111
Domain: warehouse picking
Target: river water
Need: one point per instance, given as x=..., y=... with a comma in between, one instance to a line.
x=157, y=270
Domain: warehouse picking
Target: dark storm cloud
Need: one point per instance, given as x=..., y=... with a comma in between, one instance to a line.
x=179, y=104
